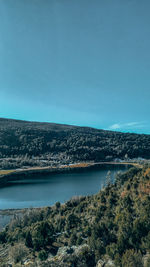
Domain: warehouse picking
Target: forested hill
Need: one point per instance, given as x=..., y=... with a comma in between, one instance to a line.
x=25, y=143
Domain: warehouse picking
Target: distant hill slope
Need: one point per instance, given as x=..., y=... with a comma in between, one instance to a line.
x=36, y=143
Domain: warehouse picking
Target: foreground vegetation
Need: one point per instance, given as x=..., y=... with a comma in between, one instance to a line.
x=27, y=144
x=111, y=227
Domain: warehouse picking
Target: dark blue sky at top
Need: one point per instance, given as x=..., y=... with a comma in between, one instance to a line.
x=78, y=62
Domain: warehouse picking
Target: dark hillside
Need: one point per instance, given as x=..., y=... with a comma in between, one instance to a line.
x=25, y=143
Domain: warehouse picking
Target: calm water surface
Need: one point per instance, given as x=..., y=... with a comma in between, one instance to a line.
x=47, y=190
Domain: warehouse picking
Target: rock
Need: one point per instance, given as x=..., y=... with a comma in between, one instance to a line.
x=106, y=263
x=110, y=263
x=146, y=259
x=70, y=257
x=100, y=263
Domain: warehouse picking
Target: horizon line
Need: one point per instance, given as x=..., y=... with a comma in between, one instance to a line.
x=74, y=125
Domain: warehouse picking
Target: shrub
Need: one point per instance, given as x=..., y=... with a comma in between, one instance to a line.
x=18, y=253
x=43, y=235
x=132, y=258
x=43, y=255
x=79, y=240
x=73, y=239
x=72, y=221
x=58, y=205
x=2, y=237
x=28, y=240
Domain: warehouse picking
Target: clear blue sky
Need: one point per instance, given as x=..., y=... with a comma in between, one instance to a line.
x=78, y=62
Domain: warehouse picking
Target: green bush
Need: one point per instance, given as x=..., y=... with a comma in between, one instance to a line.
x=42, y=255
x=73, y=239
x=132, y=258
x=42, y=235
x=58, y=205
x=2, y=237
x=28, y=240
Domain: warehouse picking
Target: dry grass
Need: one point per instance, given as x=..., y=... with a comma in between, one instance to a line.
x=147, y=172
x=3, y=172
x=145, y=188
x=124, y=193
x=78, y=165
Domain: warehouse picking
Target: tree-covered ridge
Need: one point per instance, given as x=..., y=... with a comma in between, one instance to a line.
x=43, y=144
x=110, y=227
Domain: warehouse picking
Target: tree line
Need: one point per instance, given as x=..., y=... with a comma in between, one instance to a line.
x=44, y=144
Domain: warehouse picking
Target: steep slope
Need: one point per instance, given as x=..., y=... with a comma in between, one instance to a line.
x=112, y=226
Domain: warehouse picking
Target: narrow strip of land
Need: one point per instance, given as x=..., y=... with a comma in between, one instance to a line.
x=70, y=166
x=7, y=176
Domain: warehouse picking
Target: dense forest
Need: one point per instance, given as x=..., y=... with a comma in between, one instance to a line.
x=24, y=144
x=111, y=228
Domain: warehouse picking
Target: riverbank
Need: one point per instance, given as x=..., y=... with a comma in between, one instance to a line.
x=7, y=176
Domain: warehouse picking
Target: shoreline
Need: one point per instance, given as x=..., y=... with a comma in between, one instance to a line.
x=7, y=176
x=6, y=215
